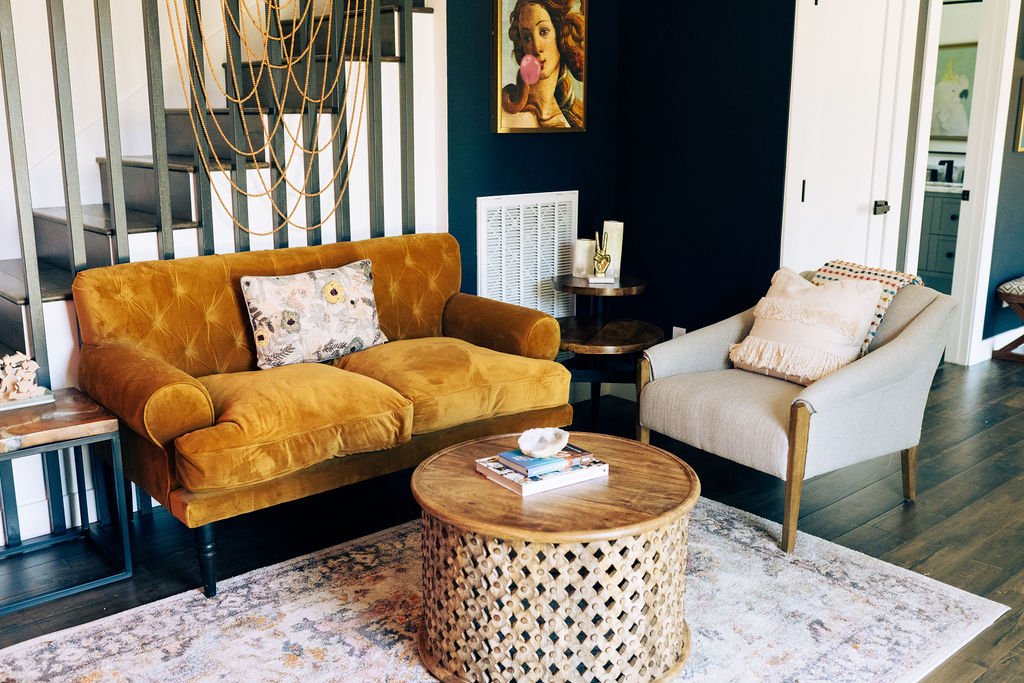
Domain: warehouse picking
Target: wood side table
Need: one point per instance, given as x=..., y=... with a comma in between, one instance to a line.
x=584, y=582
x=71, y=423
x=606, y=350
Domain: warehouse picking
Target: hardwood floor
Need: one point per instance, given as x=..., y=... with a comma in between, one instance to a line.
x=966, y=529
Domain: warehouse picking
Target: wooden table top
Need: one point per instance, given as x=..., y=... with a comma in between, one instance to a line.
x=72, y=415
x=646, y=489
x=585, y=335
x=624, y=286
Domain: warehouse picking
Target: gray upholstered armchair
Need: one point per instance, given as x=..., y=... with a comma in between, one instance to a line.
x=690, y=392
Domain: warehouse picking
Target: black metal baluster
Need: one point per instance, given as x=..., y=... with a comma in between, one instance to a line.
x=8, y=497
x=239, y=162
x=406, y=105
x=83, y=502
x=54, y=492
x=22, y=190
x=120, y=484
x=339, y=121
x=374, y=117
x=112, y=128
x=158, y=126
x=101, y=482
x=200, y=108
x=311, y=124
x=66, y=131
x=279, y=195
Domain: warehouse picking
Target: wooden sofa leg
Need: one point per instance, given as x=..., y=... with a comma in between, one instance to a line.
x=206, y=549
x=799, y=428
x=643, y=377
x=908, y=457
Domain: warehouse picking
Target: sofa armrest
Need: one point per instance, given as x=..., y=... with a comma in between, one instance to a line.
x=701, y=350
x=157, y=400
x=914, y=352
x=501, y=326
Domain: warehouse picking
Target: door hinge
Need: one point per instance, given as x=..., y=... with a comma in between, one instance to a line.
x=881, y=206
x=965, y=195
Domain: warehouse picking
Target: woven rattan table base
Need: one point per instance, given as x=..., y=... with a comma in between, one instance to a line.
x=501, y=610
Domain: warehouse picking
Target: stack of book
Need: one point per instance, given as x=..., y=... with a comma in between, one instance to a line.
x=527, y=475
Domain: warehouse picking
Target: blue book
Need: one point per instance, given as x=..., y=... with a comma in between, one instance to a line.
x=570, y=457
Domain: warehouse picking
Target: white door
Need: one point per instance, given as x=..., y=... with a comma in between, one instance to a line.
x=852, y=70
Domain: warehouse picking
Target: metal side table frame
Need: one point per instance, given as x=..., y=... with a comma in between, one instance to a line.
x=60, y=533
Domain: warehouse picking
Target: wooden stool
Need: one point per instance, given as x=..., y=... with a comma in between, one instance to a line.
x=1012, y=292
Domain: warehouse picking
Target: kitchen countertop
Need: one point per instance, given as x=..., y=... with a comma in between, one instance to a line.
x=948, y=188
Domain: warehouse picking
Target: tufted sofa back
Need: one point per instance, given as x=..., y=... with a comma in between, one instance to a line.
x=190, y=312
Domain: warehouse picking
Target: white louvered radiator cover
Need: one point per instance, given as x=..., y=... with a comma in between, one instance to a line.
x=523, y=241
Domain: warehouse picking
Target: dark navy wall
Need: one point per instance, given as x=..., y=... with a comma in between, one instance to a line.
x=482, y=163
x=1008, y=245
x=702, y=153
x=687, y=117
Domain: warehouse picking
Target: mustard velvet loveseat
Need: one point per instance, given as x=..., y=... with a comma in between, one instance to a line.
x=167, y=346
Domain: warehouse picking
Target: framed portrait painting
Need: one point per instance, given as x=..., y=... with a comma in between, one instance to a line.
x=954, y=83
x=540, y=58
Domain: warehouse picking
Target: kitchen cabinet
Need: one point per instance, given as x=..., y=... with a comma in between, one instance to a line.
x=938, y=239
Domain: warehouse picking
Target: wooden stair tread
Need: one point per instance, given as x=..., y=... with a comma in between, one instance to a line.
x=55, y=282
x=244, y=66
x=185, y=164
x=97, y=218
x=182, y=111
x=385, y=8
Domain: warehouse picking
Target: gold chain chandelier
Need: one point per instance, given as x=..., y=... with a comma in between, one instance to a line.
x=353, y=54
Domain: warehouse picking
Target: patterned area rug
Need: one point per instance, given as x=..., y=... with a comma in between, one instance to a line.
x=350, y=613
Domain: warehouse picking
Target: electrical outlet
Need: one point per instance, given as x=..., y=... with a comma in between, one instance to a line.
x=678, y=332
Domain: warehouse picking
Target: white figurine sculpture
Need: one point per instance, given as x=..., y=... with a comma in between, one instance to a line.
x=18, y=378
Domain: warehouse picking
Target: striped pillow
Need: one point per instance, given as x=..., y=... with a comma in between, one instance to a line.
x=892, y=281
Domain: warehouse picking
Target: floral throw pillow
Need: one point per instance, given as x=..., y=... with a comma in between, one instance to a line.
x=312, y=317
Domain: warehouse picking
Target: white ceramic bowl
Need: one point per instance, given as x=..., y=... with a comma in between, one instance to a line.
x=543, y=442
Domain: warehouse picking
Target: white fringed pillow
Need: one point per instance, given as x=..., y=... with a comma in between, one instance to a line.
x=803, y=332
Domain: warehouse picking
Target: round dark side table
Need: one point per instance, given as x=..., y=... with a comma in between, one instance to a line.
x=605, y=350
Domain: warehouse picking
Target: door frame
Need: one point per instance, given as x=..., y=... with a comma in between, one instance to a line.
x=997, y=46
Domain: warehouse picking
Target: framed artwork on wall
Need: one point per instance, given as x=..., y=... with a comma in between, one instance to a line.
x=1020, y=119
x=540, y=66
x=954, y=81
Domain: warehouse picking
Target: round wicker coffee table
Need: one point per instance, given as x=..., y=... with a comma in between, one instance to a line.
x=585, y=582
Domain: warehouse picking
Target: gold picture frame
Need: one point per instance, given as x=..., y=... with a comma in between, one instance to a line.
x=1020, y=119
x=556, y=103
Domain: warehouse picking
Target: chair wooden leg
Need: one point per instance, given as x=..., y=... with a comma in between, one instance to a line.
x=643, y=434
x=908, y=457
x=643, y=378
x=799, y=428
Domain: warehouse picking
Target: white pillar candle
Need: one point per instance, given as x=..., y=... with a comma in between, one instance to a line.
x=583, y=258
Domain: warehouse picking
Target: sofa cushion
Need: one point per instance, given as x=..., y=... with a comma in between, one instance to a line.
x=272, y=422
x=450, y=381
x=698, y=408
x=313, y=316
